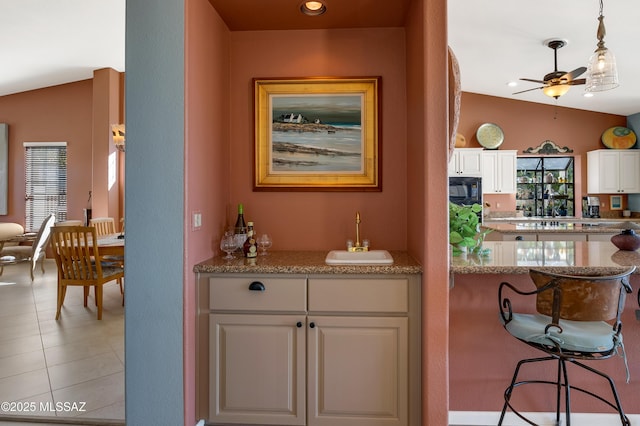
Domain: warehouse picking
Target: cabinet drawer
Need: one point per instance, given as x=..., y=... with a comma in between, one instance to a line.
x=358, y=295
x=279, y=294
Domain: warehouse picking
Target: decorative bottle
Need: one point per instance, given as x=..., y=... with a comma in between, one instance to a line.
x=240, y=230
x=250, y=247
x=87, y=211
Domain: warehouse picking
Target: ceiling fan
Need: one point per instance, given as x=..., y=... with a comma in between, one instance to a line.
x=557, y=83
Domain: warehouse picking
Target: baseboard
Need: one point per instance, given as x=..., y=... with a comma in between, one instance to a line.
x=484, y=418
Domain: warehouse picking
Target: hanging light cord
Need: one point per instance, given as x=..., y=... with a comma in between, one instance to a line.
x=601, y=30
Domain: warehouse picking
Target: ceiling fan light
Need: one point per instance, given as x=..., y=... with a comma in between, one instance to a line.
x=602, y=72
x=556, y=90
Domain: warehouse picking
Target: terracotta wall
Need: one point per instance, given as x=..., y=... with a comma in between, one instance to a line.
x=527, y=124
x=483, y=355
x=321, y=220
x=55, y=114
x=207, y=156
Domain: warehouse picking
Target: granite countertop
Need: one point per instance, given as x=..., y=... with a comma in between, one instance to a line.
x=560, y=227
x=568, y=257
x=305, y=262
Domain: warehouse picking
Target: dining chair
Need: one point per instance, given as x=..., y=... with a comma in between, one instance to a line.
x=77, y=255
x=577, y=318
x=107, y=226
x=103, y=225
x=36, y=251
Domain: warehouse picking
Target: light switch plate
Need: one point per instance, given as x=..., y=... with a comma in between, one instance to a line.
x=196, y=220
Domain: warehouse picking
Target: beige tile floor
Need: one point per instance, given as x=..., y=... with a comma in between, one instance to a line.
x=75, y=364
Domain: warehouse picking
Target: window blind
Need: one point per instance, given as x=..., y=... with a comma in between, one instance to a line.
x=45, y=182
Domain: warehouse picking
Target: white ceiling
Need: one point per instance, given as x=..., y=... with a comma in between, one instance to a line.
x=497, y=41
x=50, y=42
x=47, y=42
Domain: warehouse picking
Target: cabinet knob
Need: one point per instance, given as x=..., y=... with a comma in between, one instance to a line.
x=312, y=325
x=519, y=238
x=299, y=324
x=256, y=286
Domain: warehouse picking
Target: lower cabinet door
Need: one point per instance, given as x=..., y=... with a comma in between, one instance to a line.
x=358, y=371
x=257, y=369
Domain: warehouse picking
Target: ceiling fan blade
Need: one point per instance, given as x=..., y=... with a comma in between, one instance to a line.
x=534, y=81
x=528, y=90
x=577, y=82
x=575, y=73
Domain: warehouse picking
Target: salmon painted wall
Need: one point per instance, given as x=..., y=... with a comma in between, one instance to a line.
x=527, y=124
x=207, y=156
x=427, y=142
x=321, y=220
x=483, y=355
x=55, y=114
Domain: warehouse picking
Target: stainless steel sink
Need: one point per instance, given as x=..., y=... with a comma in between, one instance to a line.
x=371, y=257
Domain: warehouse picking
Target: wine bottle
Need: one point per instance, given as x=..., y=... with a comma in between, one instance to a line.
x=240, y=230
x=250, y=247
x=87, y=211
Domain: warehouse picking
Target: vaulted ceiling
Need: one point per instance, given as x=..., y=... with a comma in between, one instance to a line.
x=495, y=41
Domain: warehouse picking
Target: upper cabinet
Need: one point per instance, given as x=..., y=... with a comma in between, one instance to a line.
x=499, y=172
x=466, y=162
x=611, y=171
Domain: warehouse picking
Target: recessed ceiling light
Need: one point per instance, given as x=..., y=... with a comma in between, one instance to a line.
x=313, y=8
x=587, y=95
x=512, y=83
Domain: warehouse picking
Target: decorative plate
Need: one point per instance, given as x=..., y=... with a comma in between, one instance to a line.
x=618, y=138
x=490, y=135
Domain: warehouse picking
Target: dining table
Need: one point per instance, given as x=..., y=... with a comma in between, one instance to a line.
x=111, y=245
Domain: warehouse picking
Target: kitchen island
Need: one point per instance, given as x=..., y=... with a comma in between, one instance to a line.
x=535, y=229
x=482, y=355
x=569, y=257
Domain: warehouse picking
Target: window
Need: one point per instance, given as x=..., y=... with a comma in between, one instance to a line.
x=45, y=182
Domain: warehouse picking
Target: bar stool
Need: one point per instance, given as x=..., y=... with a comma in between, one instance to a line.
x=577, y=318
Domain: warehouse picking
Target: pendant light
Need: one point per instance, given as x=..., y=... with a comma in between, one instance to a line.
x=602, y=73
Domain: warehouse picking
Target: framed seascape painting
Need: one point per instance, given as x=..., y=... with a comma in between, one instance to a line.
x=317, y=134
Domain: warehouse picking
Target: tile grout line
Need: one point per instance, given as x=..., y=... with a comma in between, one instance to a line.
x=44, y=353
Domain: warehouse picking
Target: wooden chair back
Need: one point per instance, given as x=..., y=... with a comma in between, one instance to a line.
x=103, y=225
x=71, y=222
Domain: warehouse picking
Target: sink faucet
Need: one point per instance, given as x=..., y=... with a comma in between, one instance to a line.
x=358, y=246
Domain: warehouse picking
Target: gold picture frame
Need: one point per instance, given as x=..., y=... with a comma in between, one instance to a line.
x=317, y=134
x=615, y=202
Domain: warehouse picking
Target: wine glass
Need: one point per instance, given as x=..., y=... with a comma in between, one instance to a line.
x=228, y=244
x=264, y=242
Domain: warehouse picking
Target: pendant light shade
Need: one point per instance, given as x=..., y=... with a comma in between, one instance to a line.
x=602, y=73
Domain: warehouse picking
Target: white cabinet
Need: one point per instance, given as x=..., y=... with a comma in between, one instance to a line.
x=611, y=171
x=257, y=359
x=499, y=172
x=466, y=162
x=317, y=350
x=257, y=369
x=562, y=236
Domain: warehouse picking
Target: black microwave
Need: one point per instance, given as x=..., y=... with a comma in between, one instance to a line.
x=465, y=190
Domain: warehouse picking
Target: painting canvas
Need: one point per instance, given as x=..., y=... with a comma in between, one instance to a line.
x=616, y=202
x=317, y=134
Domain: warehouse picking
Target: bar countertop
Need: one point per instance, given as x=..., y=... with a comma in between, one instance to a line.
x=305, y=262
x=569, y=257
x=546, y=227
